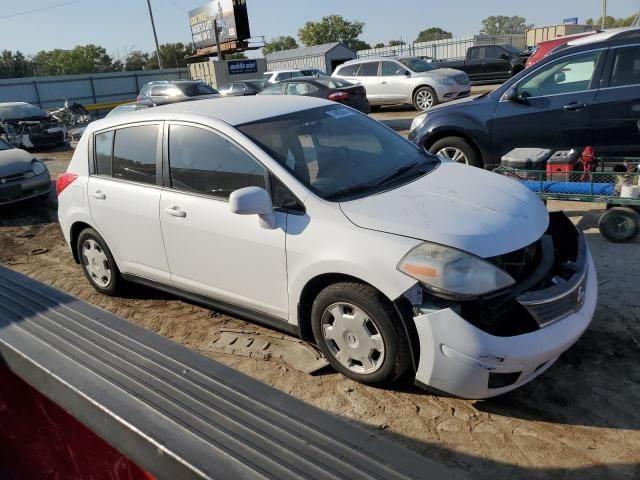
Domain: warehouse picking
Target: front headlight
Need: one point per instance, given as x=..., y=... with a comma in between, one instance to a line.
x=417, y=121
x=38, y=168
x=444, y=80
x=453, y=273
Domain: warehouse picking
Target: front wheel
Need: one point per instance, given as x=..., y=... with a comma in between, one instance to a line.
x=456, y=149
x=424, y=98
x=360, y=333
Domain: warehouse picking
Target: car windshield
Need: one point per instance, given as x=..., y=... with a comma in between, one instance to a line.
x=417, y=65
x=340, y=154
x=196, y=89
x=511, y=48
x=257, y=84
x=20, y=112
x=334, y=82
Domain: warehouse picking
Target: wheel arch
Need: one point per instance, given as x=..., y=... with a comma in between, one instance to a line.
x=440, y=134
x=74, y=234
x=316, y=284
x=422, y=85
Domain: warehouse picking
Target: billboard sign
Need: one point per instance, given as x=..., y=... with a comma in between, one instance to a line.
x=237, y=67
x=570, y=21
x=231, y=17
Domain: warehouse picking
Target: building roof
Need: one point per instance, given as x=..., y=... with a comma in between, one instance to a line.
x=303, y=52
x=232, y=110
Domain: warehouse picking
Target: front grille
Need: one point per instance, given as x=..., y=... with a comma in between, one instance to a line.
x=12, y=178
x=42, y=139
x=569, y=300
x=462, y=79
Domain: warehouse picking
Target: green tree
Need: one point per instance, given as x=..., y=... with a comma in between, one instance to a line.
x=81, y=59
x=611, y=22
x=332, y=28
x=500, y=24
x=136, y=60
x=357, y=44
x=379, y=45
x=174, y=55
x=396, y=43
x=278, y=44
x=433, y=33
x=235, y=56
x=14, y=65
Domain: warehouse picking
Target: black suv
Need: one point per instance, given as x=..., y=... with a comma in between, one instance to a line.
x=587, y=93
x=164, y=92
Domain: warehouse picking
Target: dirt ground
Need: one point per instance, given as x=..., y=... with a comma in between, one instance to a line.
x=580, y=420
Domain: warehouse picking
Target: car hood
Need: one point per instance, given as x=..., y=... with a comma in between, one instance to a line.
x=439, y=73
x=458, y=206
x=14, y=161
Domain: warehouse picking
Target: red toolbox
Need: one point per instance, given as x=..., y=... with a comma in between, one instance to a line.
x=561, y=163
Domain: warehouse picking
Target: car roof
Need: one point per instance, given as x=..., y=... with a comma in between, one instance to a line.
x=15, y=104
x=610, y=34
x=232, y=110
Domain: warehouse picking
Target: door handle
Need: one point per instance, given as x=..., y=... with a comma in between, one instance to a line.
x=574, y=106
x=99, y=195
x=176, y=212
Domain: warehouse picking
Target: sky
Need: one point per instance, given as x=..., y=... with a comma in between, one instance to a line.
x=123, y=25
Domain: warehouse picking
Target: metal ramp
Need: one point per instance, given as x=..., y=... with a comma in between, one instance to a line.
x=175, y=413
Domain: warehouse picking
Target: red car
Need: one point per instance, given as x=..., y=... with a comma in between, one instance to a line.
x=545, y=48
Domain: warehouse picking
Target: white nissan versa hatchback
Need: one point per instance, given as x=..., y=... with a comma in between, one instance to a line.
x=312, y=218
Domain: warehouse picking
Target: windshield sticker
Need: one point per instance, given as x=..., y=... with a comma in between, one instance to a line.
x=340, y=113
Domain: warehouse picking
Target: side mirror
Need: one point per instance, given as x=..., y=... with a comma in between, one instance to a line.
x=253, y=201
x=512, y=95
x=559, y=77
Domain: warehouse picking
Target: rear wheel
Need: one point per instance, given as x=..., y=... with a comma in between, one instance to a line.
x=456, y=149
x=359, y=331
x=97, y=262
x=424, y=98
x=619, y=224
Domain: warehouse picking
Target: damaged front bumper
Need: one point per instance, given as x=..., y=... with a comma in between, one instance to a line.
x=461, y=359
x=23, y=187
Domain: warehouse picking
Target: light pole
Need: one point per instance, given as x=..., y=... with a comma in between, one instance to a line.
x=155, y=36
x=604, y=12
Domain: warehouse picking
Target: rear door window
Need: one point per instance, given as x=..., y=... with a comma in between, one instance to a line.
x=348, y=70
x=135, y=153
x=390, y=69
x=368, y=69
x=299, y=89
x=205, y=162
x=103, y=148
x=626, y=67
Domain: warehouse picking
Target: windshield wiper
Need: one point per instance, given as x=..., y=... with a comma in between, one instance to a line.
x=412, y=167
x=348, y=191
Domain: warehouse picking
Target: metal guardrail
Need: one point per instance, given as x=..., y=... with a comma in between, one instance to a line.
x=173, y=412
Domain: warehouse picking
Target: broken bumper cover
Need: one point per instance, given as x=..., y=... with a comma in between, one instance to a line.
x=460, y=359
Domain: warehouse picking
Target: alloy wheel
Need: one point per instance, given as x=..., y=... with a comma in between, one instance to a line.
x=453, y=154
x=424, y=99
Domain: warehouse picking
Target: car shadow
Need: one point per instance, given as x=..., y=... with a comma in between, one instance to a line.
x=35, y=211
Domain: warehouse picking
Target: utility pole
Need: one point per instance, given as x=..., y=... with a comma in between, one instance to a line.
x=155, y=36
x=216, y=31
x=604, y=12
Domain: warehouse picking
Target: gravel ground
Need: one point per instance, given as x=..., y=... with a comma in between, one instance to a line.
x=580, y=420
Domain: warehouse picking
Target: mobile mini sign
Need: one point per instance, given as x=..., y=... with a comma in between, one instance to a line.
x=242, y=66
x=231, y=17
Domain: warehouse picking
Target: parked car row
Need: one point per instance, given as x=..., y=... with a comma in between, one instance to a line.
x=585, y=93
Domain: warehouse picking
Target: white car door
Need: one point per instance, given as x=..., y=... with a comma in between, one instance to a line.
x=367, y=75
x=212, y=251
x=394, y=87
x=124, y=197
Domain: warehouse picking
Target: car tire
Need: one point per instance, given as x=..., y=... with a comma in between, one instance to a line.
x=619, y=224
x=457, y=149
x=424, y=98
x=358, y=330
x=374, y=108
x=97, y=263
